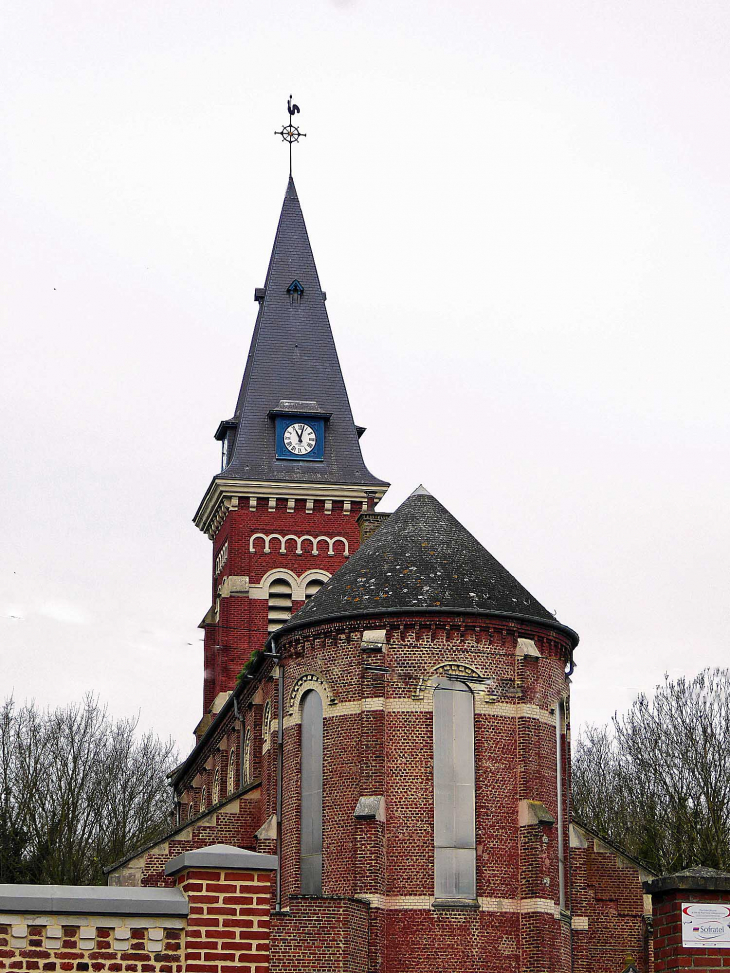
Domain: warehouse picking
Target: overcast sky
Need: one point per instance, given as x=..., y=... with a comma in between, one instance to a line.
x=520, y=212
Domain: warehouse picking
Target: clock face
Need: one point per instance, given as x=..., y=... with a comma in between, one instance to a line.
x=300, y=438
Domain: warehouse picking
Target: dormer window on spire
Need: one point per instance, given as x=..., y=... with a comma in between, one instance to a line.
x=295, y=291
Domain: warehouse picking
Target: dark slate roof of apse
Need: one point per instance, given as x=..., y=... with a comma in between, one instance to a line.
x=423, y=559
x=293, y=357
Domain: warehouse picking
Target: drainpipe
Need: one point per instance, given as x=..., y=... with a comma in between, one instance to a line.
x=568, y=809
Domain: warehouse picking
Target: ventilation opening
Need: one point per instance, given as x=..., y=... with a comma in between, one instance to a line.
x=312, y=587
x=280, y=596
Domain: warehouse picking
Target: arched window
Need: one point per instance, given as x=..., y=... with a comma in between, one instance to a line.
x=310, y=852
x=266, y=721
x=454, y=786
x=312, y=587
x=231, y=770
x=191, y=809
x=280, y=595
x=203, y=799
x=216, y=786
x=247, y=757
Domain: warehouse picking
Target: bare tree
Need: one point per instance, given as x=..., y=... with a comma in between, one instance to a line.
x=657, y=780
x=78, y=791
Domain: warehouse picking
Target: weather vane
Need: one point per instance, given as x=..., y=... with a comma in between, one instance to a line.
x=290, y=133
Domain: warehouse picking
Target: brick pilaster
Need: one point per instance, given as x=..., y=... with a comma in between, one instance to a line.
x=670, y=894
x=230, y=907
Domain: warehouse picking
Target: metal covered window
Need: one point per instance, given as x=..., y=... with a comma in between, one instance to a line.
x=311, y=794
x=280, y=598
x=454, y=787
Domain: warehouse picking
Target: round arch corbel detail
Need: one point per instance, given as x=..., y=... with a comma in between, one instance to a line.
x=475, y=680
x=310, y=680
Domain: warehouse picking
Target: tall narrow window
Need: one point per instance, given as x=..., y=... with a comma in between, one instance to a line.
x=247, y=757
x=231, y=771
x=311, y=794
x=280, y=595
x=312, y=587
x=216, y=786
x=453, y=782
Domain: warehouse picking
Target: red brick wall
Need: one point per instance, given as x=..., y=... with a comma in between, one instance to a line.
x=243, y=623
x=387, y=748
x=320, y=934
x=228, y=926
x=608, y=907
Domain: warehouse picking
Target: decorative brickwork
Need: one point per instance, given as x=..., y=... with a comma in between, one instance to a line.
x=91, y=943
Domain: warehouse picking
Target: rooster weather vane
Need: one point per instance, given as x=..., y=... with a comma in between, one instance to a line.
x=290, y=133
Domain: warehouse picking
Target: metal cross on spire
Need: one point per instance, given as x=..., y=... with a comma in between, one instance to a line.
x=290, y=133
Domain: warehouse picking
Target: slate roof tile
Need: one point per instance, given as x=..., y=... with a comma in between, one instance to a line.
x=293, y=356
x=423, y=559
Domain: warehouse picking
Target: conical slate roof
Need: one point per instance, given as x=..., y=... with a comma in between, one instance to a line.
x=293, y=359
x=422, y=559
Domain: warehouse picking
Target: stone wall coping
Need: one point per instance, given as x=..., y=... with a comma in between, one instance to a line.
x=222, y=857
x=699, y=879
x=96, y=900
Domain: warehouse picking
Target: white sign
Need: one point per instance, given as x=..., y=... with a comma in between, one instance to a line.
x=706, y=924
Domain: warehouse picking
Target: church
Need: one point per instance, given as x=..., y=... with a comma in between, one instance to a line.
x=385, y=708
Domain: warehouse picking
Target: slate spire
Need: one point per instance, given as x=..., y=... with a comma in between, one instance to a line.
x=423, y=560
x=293, y=359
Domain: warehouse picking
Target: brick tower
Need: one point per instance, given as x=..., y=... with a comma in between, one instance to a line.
x=282, y=513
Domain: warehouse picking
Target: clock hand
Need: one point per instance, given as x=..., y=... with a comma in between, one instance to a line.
x=300, y=433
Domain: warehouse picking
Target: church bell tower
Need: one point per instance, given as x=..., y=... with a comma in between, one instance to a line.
x=283, y=511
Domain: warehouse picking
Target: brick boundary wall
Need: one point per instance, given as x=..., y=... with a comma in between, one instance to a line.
x=59, y=943
x=216, y=920
x=669, y=893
